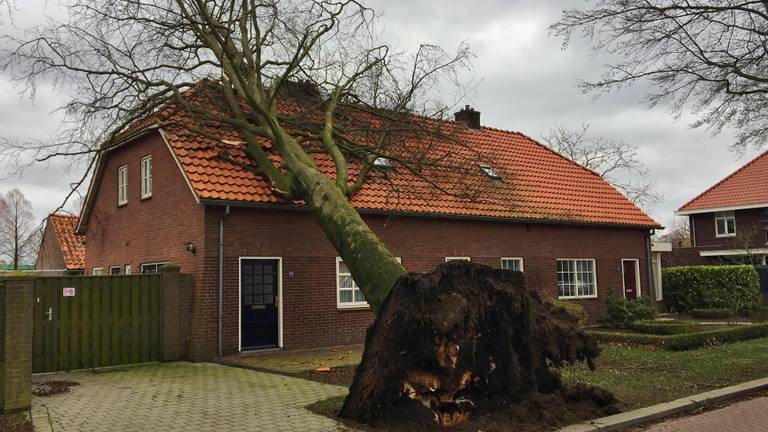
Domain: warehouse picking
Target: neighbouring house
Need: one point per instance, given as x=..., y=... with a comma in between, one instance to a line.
x=165, y=194
x=62, y=250
x=729, y=221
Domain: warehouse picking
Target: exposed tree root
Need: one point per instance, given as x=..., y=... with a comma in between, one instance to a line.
x=446, y=341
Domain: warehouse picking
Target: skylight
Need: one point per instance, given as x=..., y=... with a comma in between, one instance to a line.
x=489, y=172
x=382, y=162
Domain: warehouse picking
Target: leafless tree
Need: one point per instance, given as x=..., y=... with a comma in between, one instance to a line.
x=614, y=160
x=127, y=60
x=19, y=234
x=678, y=233
x=704, y=55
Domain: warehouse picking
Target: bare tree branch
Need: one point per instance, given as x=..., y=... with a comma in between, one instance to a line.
x=705, y=56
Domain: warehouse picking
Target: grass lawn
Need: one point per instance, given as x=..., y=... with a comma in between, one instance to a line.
x=640, y=377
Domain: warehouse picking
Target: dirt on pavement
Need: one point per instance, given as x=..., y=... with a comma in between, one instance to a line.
x=15, y=423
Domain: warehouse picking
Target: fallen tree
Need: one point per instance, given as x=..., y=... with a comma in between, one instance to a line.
x=447, y=341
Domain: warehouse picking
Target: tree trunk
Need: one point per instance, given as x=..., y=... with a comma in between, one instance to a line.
x=372, y=266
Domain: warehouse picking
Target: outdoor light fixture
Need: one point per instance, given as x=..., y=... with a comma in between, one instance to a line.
x=191, y=248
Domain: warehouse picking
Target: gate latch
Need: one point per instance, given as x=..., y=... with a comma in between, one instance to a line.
x=50, y=314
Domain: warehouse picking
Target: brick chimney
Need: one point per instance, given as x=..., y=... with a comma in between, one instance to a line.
x=468, y=117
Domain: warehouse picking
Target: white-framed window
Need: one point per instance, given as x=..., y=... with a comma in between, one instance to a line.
x=97, y=271
x=146, y=176
x=114, y=270
x=515, y=264
x=152, y=268
x=457, y=259
x=128, y=269
x=576, y=278
x=725, y=224
x=122, y=185
x=348, y=294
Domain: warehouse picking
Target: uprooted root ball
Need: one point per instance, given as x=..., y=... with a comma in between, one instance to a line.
x=445, y=342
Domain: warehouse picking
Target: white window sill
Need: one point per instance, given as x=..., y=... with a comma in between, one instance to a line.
x=353, y=306
x=577, y=297
x=724, y=235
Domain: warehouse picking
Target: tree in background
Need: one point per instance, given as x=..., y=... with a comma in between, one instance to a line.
x=19, y=234
x=126, y=60
x=705, y=56
x=678, y=233
x=614, y=160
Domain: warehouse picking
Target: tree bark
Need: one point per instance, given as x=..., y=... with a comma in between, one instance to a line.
x=371, y=264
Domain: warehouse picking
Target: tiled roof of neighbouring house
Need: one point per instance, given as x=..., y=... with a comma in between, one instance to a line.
x=72, y=244
x=538, y=183
x=746, y=186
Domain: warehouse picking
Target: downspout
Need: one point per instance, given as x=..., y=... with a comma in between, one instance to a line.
x=221, y=281
x=652, y=294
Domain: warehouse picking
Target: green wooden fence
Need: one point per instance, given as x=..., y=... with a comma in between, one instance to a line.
x=104, y=321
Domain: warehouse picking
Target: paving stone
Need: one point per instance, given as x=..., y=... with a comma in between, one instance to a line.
x=745, y=416
x=183, y=396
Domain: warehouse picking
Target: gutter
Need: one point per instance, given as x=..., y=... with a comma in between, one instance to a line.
x=221, y=282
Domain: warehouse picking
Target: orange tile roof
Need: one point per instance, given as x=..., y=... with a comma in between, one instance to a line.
x=538, y=183
x=746, y=186
x=72, y=244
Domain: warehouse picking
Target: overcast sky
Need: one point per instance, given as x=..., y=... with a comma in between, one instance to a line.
x=526, y=84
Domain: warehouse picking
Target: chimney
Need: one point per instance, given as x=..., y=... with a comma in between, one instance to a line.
x=468, y=117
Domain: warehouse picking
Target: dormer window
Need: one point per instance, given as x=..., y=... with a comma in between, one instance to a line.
x=725, y=224
x=489, y=172
x=383, y=163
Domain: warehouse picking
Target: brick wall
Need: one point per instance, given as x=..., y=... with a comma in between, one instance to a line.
x=16, y=309
x=310, y=314
x=749, y=230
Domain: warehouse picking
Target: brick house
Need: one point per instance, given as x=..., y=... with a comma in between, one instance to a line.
x=164, y=194
x=729, y=221
x=61, y=250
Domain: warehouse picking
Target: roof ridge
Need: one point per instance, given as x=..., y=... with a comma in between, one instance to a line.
x=742, y=168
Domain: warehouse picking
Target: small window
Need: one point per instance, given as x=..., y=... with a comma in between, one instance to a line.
x=128, y=269
x=384, y=163
x=576, y=278
x=97, y=271
x=114, y=270
x=725, y=224
x=122, y=185
x=514, y=264
x=457, y=259
x=489, y=172
x=152, y=268
x=348, y=294
x=146, y=177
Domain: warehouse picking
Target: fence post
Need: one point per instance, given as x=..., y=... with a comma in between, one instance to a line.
x=16, y=332
x=172, y=329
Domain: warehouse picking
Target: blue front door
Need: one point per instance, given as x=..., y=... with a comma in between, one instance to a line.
x=258, y=300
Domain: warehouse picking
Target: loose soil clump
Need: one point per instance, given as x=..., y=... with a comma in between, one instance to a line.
x=15, y=423
x=465, y=341
x=52, y=387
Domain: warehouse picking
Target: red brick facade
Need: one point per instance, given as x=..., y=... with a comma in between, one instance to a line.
x=159, y=228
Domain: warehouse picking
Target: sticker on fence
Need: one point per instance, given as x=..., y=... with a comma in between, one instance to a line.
x=68, y=292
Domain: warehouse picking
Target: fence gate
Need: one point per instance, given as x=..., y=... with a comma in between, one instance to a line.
x=762, y=273
x=94, y=321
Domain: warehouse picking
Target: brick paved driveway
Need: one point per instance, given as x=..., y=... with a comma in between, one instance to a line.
x=745, y=416
x=183, y=397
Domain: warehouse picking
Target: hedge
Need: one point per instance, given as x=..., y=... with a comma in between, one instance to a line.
x=735, y=287
x=665, y=327
x=686, y=341
x=574, y=309
x=712, y=313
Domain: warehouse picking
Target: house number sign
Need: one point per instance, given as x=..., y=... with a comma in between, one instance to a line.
x=68, y=292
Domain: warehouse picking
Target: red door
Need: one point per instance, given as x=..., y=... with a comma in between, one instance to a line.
x=630, y=279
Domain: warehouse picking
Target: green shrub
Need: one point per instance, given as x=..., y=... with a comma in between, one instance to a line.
x=759, y=314
x=665, y=327
x=712, y=313
x=734, y=287
x=573, y=308
x=686, y=341
x=620, y=313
